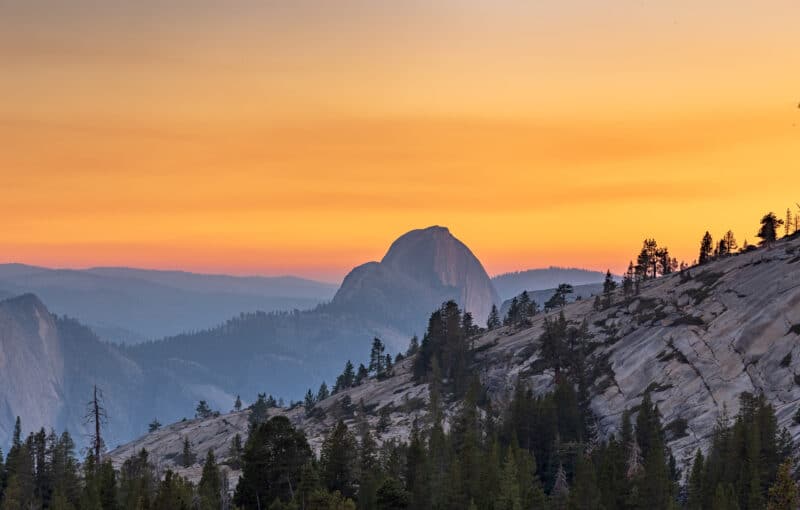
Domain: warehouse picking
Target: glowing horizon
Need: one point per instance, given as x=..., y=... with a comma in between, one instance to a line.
x=302, y=139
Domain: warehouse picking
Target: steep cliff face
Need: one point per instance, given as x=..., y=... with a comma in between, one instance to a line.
x=49, y=364
x=422, y=269
x=31, y=365
x=695, y=340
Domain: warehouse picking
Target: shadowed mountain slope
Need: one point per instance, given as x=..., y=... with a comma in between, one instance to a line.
x=695, y=340
x=130, y=305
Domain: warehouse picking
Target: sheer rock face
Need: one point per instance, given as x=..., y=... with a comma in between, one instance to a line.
x=422, y=269
x=696, y=341
x=31, y=363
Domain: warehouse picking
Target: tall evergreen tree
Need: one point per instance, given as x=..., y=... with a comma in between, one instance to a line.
x=609, y=286
x=338, y=461
x=509, y=496
x=174, y=493
x=706, y=249
x=210, y=487
x=493, y=322
x=376, y=357
x=769, y=228
x=323, y=392
x=628, y=281
x=309, y=401
x=783, y=495
x=585, y=494
x=695, y=484
x=273, y=460
x=349, y=374
x=730, y=242
x=187, y=456
x=203, y=410
x=413, y=346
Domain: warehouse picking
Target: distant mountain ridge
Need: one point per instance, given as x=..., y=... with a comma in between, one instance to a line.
x=540, y=297
x=391, y=299
x=512, y=284
x=282, y=353
x=129, y=305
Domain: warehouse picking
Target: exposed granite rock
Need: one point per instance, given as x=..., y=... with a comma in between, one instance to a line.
x=696, y=340
x=422, y=269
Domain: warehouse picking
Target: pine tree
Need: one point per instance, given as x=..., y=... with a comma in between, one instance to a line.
x=323, y=392
x=187, y=456
x=392, y=496
x=413, y=346
x=259, y=410
x=417, y=469
x=376, y=358
x=769, y=228
x=787, y=224
x=349, y=375
x=174, y=493
x=273, y=460
x=338, y=458
x=203, y=410
x=153, y=425
x=559, y=298
x=695, y=485
x=513, y=312
x=387, y=366
x=368, y=470
x=509, y=496
x=237, y=405
x=627, y=281
x=309, y=402
x=493, y=322
x=783, y=494
x=730, y=242
x=706, y=249
x=210, y=487
x=585, y=494
x=235, y=452
x=362, y=375
x=724, y=498
x=137, y=482
x=609, y=286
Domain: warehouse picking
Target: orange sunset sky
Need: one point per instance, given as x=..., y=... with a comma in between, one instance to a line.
x=303, y=136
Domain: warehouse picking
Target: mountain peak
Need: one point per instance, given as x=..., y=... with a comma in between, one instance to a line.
x=27, y=302
x=421, y=269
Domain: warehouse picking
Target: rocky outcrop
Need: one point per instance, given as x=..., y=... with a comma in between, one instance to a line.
x=31, y=363
x=422, y=269
x=49, y=364
x=695, y=340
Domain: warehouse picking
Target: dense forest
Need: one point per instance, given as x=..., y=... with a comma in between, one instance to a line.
x=539, y=451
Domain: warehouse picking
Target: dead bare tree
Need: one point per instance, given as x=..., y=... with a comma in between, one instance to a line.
x=97, y=417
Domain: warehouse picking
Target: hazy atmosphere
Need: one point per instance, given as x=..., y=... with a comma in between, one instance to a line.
x=399, y=255
x=253, y=137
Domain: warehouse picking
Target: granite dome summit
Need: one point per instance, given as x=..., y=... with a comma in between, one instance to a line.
x=421, y=269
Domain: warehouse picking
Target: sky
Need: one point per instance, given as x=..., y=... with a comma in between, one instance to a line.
x=302, y=137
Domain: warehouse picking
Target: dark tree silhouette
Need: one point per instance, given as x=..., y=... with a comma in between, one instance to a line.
x=96, y=416
x=706, y=249
x=769, y=228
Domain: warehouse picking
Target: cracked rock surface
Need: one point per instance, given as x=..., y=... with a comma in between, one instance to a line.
x=697, y=340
